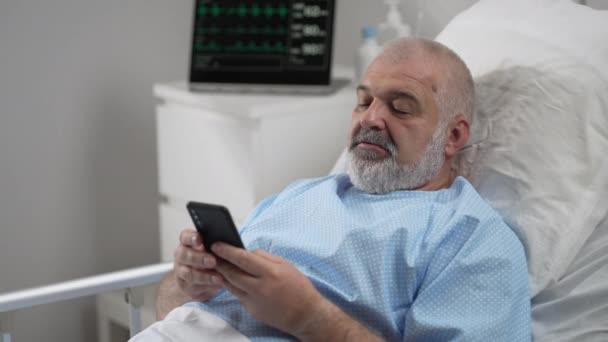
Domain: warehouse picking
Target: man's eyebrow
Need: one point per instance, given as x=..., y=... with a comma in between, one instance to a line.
x=393, y=94
x=397, y=94
x=363, y=88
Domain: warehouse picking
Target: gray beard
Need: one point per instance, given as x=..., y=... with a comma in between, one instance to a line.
x=375, y=175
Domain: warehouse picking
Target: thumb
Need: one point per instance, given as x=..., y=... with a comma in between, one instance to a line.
x=268, y=256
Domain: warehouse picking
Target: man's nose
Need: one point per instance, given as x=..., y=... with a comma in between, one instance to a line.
x=374, y=117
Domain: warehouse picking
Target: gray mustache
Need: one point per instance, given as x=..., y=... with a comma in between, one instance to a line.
x=374, y=137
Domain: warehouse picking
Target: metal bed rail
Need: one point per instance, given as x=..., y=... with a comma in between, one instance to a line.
x=129, y=280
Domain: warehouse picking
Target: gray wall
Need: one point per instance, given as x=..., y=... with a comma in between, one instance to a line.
x=77, y=144
x=77, y=136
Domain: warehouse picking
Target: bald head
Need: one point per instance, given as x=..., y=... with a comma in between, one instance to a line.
x=453, y=84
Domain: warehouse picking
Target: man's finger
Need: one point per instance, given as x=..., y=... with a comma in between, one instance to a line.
x=235, y=276
x=194, y=258
x=268, y=256
x=183, y=272
x=248, y=262
x=204, y=277
x=191, y=238
x=240, y=294
x=181, y=283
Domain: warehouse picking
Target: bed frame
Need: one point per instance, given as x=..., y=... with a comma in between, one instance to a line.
x=130, y=281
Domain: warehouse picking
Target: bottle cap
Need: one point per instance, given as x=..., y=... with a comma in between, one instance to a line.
x=369, y=32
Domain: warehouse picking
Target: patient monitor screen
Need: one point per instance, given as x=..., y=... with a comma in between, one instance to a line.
x=266, y=41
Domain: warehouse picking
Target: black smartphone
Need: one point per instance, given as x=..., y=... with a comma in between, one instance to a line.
x=215, y=224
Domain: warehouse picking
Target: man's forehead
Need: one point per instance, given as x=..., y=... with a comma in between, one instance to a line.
x=415, y=74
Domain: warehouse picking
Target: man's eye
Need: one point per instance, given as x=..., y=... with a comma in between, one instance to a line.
x=402, y=111
x=362, y=105
x=403, y=107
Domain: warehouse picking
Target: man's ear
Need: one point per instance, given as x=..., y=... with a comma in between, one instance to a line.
x=458, y=135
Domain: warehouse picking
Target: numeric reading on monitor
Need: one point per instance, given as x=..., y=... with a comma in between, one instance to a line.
x=268, y=35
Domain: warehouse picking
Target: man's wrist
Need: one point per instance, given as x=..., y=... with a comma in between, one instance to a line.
x=169, y=296
x=310, y=328
x=329, y=323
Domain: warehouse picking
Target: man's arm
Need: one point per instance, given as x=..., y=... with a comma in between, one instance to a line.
x=169, y=296
x=475, y=287
x=273, y=291
x=330, y=323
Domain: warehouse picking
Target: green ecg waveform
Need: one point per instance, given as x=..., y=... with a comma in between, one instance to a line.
x=240, y=46
x=242, y=10
x=240, y=30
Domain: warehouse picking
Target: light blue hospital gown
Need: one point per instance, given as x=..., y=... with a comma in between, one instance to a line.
x=410, y=265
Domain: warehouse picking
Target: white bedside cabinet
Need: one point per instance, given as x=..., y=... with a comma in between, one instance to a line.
x=232, y=150
x=235, y=150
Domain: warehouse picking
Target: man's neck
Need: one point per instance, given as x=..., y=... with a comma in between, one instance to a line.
x=443, y=180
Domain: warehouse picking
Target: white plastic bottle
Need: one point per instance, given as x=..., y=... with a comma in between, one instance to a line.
x=393, y=27
x=368, y=50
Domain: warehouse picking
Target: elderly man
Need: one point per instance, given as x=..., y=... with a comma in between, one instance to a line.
x=398, y=249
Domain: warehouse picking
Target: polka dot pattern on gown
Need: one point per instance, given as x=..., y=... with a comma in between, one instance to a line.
x=410, y=265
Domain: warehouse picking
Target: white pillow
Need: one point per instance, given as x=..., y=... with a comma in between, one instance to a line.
x=542, y=121
x=495, y=33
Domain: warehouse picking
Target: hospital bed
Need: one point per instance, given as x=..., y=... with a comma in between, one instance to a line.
x=537, y=155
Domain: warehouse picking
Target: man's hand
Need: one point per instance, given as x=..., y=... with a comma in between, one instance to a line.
x=269, y=287
x=193, y=267
x=192, y=277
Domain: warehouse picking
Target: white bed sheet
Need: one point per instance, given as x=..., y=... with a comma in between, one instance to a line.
x=186, y=323
x=576, y=307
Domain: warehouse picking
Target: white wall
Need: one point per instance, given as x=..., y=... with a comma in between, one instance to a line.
x=353, y=14
x=77, y=138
